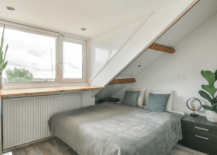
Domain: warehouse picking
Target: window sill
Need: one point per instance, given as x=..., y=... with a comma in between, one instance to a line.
x=33, y=91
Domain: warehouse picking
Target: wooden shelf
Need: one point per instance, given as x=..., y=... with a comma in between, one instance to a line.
x=33, y=91
x=122, y=81
x=162, y=48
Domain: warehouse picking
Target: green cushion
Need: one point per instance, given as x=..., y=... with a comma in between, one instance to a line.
x=158, y=102
x=131, y=98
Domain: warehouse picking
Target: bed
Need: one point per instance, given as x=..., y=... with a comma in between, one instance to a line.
x=115, y=129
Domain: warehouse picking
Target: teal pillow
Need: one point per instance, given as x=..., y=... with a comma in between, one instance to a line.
x=158, y=102
x=131, y=98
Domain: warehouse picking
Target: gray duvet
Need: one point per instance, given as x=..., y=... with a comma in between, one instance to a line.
x=112, y=129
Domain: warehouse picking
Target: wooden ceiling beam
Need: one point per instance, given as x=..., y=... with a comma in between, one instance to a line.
x=122, y=81
x=162, y=48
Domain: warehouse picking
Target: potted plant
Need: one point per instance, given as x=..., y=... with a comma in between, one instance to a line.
x=3, y=63
x=211, y=111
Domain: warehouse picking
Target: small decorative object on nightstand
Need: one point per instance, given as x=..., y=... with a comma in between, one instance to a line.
x=199, y=134
x=193, y=106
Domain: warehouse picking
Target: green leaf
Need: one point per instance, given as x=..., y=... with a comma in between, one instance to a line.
x=214, y=104
x=1, y=56
x=206, y=96
x=207, y=107
x=215, y=75
x=215, y=99
x=4, y=65
x=211, y=78
x=5, y=52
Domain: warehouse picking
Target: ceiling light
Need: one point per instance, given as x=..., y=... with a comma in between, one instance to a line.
x=10, y=8
x=83, y=29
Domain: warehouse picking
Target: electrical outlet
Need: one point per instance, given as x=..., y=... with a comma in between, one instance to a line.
x=181, y=77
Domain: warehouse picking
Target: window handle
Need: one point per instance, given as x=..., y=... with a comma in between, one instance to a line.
x=201, y=128
x=60, y=64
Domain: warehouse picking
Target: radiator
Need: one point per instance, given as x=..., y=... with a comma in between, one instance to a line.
x=26, y=119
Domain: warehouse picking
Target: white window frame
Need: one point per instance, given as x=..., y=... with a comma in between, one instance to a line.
x=59, y=57
x=84, y=60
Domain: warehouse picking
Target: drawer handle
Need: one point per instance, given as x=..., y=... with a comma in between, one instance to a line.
x=201, y=128
x=201, y=137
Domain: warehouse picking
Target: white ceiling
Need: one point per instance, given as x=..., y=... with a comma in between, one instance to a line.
x=97, y=16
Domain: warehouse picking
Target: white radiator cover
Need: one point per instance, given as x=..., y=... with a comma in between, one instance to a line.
x=26, y=119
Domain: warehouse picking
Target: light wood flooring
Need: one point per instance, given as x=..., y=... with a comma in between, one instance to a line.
x=55, y=146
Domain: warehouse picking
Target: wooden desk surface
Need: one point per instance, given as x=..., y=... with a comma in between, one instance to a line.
x=33, y=91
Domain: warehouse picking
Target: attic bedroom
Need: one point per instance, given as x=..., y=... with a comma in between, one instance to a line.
x=112, y=77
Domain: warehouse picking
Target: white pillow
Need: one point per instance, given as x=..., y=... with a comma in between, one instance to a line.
x=167, y=91
x=141, y=96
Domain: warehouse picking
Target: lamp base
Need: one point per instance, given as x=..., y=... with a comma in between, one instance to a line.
x=193, y=115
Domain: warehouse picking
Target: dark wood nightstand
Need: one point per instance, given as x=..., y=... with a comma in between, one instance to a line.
x=200, y=134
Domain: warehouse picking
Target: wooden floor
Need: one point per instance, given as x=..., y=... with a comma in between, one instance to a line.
x=55, y=146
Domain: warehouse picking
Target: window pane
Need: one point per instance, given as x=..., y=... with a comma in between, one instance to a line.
x=72, y=60
x=31, y=57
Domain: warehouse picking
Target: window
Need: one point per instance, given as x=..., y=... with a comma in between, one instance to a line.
x=31, y=57
x=73, y=54
x=37, y=57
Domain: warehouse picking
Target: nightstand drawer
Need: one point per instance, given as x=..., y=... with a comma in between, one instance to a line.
x=200, y=130
x=199, y=134
x=201, y=148
x=195, y=138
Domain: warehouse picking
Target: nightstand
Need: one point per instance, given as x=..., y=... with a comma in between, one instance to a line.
x=200, y=134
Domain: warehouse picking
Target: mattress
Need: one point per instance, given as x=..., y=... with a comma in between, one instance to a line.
x=114, y=129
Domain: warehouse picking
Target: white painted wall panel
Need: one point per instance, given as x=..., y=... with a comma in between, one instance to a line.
x=145, y=60
x=150, y=30
x=87, y=99
x=104, y=47
x=26, y=119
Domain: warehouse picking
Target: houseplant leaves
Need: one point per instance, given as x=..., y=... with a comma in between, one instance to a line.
x=3, y=64
x=210, y=90
x=211, y=78
x=206, y=96
x=206, y=107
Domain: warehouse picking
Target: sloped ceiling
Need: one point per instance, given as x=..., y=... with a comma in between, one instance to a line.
x=204, y=10
x=193, y=19
x=97, y=16
x=199, y=14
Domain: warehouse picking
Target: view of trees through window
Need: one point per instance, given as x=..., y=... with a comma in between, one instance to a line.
x=31, y=57
x=19, y=75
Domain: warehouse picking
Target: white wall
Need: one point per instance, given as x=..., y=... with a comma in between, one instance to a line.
x=104, y=47
x=198, y=51
x=87, y=99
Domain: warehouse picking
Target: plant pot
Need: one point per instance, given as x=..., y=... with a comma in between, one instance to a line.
x=211, y=116
x=1, y=83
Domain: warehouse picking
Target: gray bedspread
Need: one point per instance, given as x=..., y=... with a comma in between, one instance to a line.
x=112, y=129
